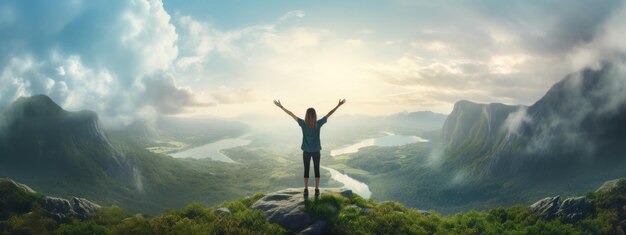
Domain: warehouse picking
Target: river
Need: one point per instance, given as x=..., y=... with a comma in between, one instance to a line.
x=213, y=150
x=385, y=141
x=348, y=182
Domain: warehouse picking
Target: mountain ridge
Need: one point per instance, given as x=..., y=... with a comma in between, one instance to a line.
x=39, y=134
x=577, y=122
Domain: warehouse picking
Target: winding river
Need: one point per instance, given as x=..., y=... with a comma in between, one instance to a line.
x=348, y=182
x=213, y=150
x=385, y=141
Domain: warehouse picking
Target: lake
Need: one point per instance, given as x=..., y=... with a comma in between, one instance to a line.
x=213, y=150
x=385, y=141
x=348, y=182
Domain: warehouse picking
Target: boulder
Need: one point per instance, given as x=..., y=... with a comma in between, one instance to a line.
x=63, y=210
x=352, y=207
x=315, y=228
x=58, y=208
x=547, y=207
x=366, y=211
x=22, y=187
x=574, y=209
x=570, y=209
x=223, y=211
x=423, y=212
x=84, y=208
x=287, y=207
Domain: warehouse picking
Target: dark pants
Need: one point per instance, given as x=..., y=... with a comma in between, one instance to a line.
x=306, y=157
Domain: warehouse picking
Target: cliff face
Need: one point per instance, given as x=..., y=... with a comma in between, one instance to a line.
x=470, y=121
x=580, y=122
x=40, y=114
x=36, y=135
x=474, y=133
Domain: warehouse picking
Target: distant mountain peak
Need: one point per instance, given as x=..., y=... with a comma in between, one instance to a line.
x=38, y=134
x=580, y=120
x=37, y=105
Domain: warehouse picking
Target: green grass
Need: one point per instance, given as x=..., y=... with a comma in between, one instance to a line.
x=344, y=216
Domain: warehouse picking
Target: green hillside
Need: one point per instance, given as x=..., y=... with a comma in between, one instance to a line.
x=21, y=213
x=66, y=154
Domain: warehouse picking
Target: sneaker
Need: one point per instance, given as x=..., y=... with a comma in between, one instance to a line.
x=317, y=192
x=306, y=191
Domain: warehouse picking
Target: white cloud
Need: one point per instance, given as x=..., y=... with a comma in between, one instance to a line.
x=391, y=42
x=114, y=56
x=355, y=42
x=292, y=14
x=608, y=44
x=148, y=33
x=294, y=39
x=85, y=60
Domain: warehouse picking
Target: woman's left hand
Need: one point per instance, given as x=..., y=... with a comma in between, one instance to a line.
x=342, y=101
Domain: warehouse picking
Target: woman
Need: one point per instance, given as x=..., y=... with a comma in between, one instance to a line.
x=310, y=141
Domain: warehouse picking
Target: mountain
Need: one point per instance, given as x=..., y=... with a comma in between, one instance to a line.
x=68, y=154
x=40, y=142
x=490, y=155
x=579, y=124
x=473, y=132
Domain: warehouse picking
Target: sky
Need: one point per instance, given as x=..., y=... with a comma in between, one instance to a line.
x=138, y=59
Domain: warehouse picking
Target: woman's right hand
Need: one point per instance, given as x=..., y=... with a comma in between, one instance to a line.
x=277, y=103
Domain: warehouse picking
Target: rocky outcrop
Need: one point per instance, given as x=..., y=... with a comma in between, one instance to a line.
x=63, y=209
x=17, y=185
x=223, y=211
x=58, y=208
x=574, y=209
x=608, y=186
x=315, y=228
x=547, y=207
x=287, y=208
x=570, y=209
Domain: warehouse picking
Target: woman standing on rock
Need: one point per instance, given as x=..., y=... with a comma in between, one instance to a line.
x=311, y=141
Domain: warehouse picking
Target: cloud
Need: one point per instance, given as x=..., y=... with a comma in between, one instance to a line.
x=292, y=14
x=65, y=79
x=162, y=93
x=294, y=39
x=487, y=52
x=91, y=55
x=608, y=44
x=514, y=121
x=234, y=95
x=355, y=42
x=500, y=52
x=479, y=29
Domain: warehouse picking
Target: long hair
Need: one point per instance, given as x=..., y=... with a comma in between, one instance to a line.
x=311, y=118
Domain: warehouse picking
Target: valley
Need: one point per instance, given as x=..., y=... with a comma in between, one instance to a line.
x=469, y=160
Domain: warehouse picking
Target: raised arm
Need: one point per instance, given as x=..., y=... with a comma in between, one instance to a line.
x=341, y=102
x=277, y=103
